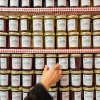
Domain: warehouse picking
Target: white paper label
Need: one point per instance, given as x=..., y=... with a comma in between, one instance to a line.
x=97, y=95
x=88, y=95
x=37, y=3
x=51, y=62
x=97, y=62
x=74, y=3
x=96, y=24
x=54, y=95
x=38, y=78
x=24, y=95
x=72, y=63
x=24, y=24
x=85, y=2
x=2, y=25
x=61, y=25
x=49, y=3
x=25, y=2
x=77, y=96
x=65, y=95
x=86, y=41
x=88, y=63
x=62, y=3
x=4, y=80
x=2, y=41
x=4, y=3
x=14, y=3
x=85, y=24
x=97, y=79
x=16, y=96
x=96, y=2
x=96, y=41
x=3, y=62
x=4, y=95
x=13, y=25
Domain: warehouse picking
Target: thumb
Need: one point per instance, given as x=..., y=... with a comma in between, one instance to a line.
x=45, y=69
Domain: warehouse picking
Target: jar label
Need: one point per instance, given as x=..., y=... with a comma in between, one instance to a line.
x=65, y=95
x=96, y=2
x=85, y=2
x=86, y=41
x=96, y=24
x=97, y=79
x=4, y=80
x=72, y=63
x=2, y=41
x=24, y=24
x=14, y=3
x=38, y=78
x=2, y=25
x=37, y=3
x=61, y=24
x=77, y=96
x=64, y=63
x=51, y=62
x=3, y=62
x=97, y=62
x=16, y=96
x=62, y=2
x=4, y=3
x=39, y=63
x=74, y=3
x=88, y=95
x=96, y=41
x=54, y=95
x=4, y=95
x=97, y=95
x=24, y=95
x=13, y=25
x=49, y=3
x=25, y=3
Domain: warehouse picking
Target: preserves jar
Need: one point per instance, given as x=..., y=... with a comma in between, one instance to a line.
x=38, y=75
x=26, y=40
x=61, y=22
x=14, y=3
x=88, y=93
x=3, y=3
x=25, y=3
x=86, y=40
x=76, y=93
x=62, y=3
x=39, y=61
x=97, y=61
x=73, y=40
x=76, y=78
x=88, y=61
x=88, y=78
x=85, y=23
x=61, y=40
x=49, y=40
x=63, y=60
x=37, y=40
x=74, y=3
x=97, y=93
x=37, y=23
x=86, y=3
x=49, y=3
x=75, y=62
x=13, y=23
x=37, y=3
x=96, y=3
x=72, y=23
x=49, y=22
x=96, y=40
x=25, y=22
x=16, y=62
x=97, y=78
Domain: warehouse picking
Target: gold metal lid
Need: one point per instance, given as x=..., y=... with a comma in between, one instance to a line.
x=96, y=33
x=53, y=89
x=49, y=33
x=16, y=89
x=16, y=55
x=39, y=55
x=39, y=72
x=25, y=33
x=88, y=89
x=87, y=55
x=72, y=16
x=87, y=72
x=37, y=17
x=65, y=72
x=14, y=17
x=75, y=55
x=97, y=71
x=51, y=55
x=4, y=55
x=85, y=16
x=97, y=88
x=26, y=16
x=15, y=72
x=3, y=33
x=27, y=72
x=3, y=17
x=86, y=33
x=61, y=33
x=97, y=55
x=37, y=33
x=76, y=89
x=4, y=71
x=73, y=33
x=4, y=88
x=63, y=55
x=61, y=17
x=28, y=55
x=25, y=89
x=49, y=17
x=64, y=89
x=75, y=72
x=14, y=33
x=96, y=16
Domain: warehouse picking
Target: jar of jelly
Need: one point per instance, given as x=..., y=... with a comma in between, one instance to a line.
x=73, y=40
x=72, y=23
x=3, y=23
x=85, y=23
x=75, y=62
x=37, y=3
x=49, y=40
x=86, y=40
x=38, y=75
x=76, y=93
x=37, y=22
x=63, y=60
x=97, y=93
x=96, y=3
x=26, y=3
x=15, y=78
x=39, y=61
x=97, y=62
x=62, y=3
x=27, y=61
x=76, y=78
x=88, y=93
x=37, y=40
x=97, y=78
x=88, y=61
x=3, y=3
x=49, y=22
x=61, y=40
x=88, y=78
x=13, y=23
x=61, y=22
x=16, y=62
x=74, y=3
x=14, y=3
x=5, y=62
x=26, y=40
x=50, y=3
x=25, y=22
x=86, y=3
x=96, y=40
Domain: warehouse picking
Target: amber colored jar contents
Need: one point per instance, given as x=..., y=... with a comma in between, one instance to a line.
x=25, y=3
x=74, y=3
x=76, y=93
x=3, y=3
x=88, y=61
x=14, y=3
x=26, y=40
x=37, y=40
x=49, y=3
x=38, y=75
x=97, y=78
x=37, y=3
x=62, y=3
x=75, y=61
x=88, y=78
x=86, y=3
x=97, y=61
x=86, y=40
x=97, y=93
x=96, y=3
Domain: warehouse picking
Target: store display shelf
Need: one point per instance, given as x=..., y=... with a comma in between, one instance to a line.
x=49, y=50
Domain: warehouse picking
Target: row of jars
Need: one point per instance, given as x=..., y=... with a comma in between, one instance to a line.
x=50, y=23
x=49, y=3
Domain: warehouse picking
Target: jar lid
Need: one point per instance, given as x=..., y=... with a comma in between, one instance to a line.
x=37, y=33
x=88, y=89
x=16, y=55
x=3, y=33
x=4, y=71
x=27, y=55
x=51, y=55
x=75, y=72
x=15, y=72
x=4, y=17
x=96, y=33
x=75, y=55
x=49, y=33
x=25, y=89
x=76, y=89
x=72, y=16
x=65, y=72
x=86, y=33
x=87, y=72
x=16, y=89
x=97, y=88
x=49, y=17
x=96, y=16
x=64, y=89
x=73, y=33
x=4, y=88
x=39, y=72
x=4, y=55
x=61, y=33
x=85, y=16
x=63, y=55
x=27, y=72
x=97, y=71
x=14, y=17
x=61, y=16
x=39, y=55
x=97, y=55
x=25, y=33
x=26, y=16
x=37, y=17
x=53, y=89
x=87, y=55
x=14, y=33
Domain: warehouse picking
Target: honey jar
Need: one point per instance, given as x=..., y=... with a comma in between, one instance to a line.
x=37, y=40
x=38, y=75
x=62, y=3
x=86, y=3
x=3, y=3
x=97, y=61
x=72, y=23
x=50, y=3
x=74, y=3
x=37, y=3
x=26, y=40
x=86, y=40
x=85, y=23
x=25, y=3
x=97, y=93
x=97, y=77
x=61, y=40
x=14, y=3
x=96, y=3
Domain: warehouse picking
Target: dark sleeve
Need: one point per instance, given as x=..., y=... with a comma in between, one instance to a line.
x=38, y=92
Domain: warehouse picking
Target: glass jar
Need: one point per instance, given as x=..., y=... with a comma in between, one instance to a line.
x=37, y=40
x=37, y=3
x=72, y=23
x=74, y=40
x=96, y=3
x=76, y=78
x=62, y=3
x=26, y=3
x=13, y=23
x=88, y=61
x=37, y=22
x=26, y=40
x=97, y=61
x=3, y=3
x=76, y=93
x=49, y=3
x=75, y=61
x=25, y=22
x=85, y=23
x=86, y=3
x=38, y=75
x=74, y=3
x=97, y=93
x=61, y=22
x=86, y=40
x=27, y=61
x=49, y=40
x=63, y=61
x=88, y=78
x=61, y=40
x=49, y=22
x=96, y=40
x=14, y=3
x=97, y=78
x=88, y=93
x=15, y=78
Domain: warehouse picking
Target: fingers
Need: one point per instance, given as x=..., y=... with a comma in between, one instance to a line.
x=57, y=66
x=45, y=69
